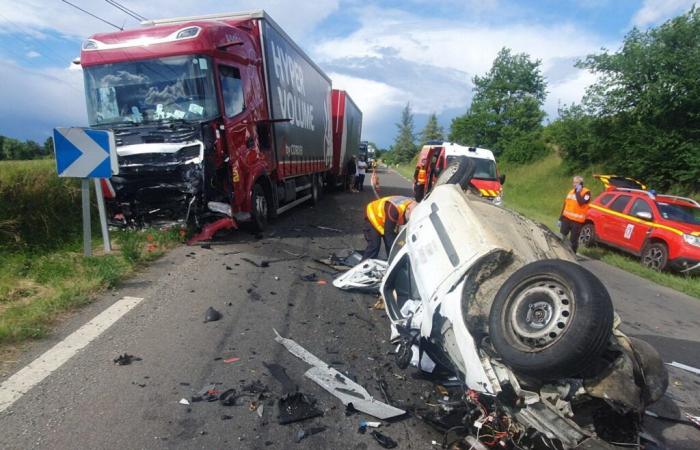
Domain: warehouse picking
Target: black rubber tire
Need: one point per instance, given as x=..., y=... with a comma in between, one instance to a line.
x=315, y=190
x=587, y=237
x=655, y=256
x=586, y=312
x=460, y=171
x=260, y=208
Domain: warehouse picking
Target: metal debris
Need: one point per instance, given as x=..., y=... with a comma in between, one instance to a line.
x=678, y=365
x=338, y=385
x=125, y=359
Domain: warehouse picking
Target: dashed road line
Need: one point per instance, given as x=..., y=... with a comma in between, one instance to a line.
x=21, y=382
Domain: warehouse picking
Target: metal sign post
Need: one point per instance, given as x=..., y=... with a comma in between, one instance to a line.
x=85, y=154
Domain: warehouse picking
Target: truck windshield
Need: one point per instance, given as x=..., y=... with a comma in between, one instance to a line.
x=134, y=92
x=679, y=213
x=485, y=168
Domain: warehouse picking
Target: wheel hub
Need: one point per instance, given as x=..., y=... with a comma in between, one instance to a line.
x=540, y=314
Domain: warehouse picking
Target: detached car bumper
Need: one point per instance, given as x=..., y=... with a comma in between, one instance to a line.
x=686, y=265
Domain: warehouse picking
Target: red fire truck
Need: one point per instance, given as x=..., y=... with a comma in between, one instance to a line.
x=215, y=117
x=347, y=128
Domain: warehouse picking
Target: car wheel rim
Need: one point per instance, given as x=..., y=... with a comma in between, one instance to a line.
x=540, y=314
x=585, y=237
x=261, y=206
x=653, y=258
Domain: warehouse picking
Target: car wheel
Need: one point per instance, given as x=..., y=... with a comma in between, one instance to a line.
x=587, y=236
x=260, y=207
x=551, y=319
x=655, y=256
x=460, y=172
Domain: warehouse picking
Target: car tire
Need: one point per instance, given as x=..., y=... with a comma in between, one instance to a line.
x=587, y=236
x=260, y=208
x=551, y=319
x=460, y=171
x=655, y=256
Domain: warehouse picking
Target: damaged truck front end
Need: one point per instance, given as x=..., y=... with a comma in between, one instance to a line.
x=525, y=340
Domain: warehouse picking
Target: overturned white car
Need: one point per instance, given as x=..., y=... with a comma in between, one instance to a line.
x=531, y=336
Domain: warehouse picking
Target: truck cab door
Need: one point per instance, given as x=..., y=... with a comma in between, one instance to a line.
x=238, y=128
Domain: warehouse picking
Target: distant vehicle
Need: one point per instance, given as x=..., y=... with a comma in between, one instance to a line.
x=663, y=230
x=434, y=157
x=214, y=116
x=347, y=129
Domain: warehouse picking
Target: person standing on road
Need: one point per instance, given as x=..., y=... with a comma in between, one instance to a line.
x=361, y=170
x=573, y=214
x=382, y=220
x=351, y=174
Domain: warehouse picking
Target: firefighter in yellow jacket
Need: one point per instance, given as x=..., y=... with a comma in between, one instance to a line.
x=573, y=214
x=383, y=218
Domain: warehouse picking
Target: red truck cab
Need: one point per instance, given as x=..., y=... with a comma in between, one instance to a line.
x=219, y=115
x=435, y=156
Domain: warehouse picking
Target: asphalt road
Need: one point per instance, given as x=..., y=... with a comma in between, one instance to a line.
x=89, y=402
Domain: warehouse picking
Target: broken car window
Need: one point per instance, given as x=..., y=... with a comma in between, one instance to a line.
x=231, y=90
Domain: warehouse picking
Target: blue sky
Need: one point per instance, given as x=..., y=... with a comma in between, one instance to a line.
x=385, y=53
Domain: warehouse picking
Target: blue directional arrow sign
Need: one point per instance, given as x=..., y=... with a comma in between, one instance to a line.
x=84, y=153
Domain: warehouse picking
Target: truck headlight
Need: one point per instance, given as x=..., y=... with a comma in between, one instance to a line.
x=692, y=240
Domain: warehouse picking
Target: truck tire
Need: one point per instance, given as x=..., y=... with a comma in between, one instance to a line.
x=551, y=319
x=460, y=171
x=315, y=189
x=655, y=256
x=587, y=236
x=260, y=208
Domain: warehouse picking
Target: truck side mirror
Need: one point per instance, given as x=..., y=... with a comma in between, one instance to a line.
x=502, y=179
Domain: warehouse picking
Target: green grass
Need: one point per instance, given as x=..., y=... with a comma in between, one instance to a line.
x=37, y=287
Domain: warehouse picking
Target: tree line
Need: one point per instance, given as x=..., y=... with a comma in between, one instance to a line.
x=13, y=149
x=640, y=118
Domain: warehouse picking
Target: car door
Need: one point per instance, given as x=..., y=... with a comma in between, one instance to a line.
x=615, y=224
x=636, y=231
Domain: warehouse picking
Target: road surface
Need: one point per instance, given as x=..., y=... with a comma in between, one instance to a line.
x=158, y=316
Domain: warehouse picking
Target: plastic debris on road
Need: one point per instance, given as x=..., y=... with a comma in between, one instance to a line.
x=125, y=359
x=384, y=440
x=231, y=360
x=338, y=385
x=365, y=276
x=296, y=407
x=212, y=315
x=303, y=434
x=184, y=401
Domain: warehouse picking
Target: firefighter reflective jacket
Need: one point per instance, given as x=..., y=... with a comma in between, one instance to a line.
x=375, y=210
x=574, y=211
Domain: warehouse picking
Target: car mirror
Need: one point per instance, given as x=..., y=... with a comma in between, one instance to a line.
x=502, y=179
x=645, y=215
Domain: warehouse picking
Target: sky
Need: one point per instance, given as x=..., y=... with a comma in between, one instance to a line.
x=385, y=53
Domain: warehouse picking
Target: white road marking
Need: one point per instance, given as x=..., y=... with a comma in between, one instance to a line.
x=21, y=382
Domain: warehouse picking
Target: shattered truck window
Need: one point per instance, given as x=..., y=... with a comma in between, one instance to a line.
x=162, y=89
x=231, y=90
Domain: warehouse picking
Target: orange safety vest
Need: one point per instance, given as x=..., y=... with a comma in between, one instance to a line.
x=422, y=175
x=574, y=211
x=375, y=210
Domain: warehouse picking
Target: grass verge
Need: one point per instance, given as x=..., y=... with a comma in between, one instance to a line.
x=38, y=287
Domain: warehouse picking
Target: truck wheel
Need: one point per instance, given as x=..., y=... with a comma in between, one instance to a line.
x=655, y=256
x=587, y=236
x=260, y=208
x=315, y=190
x=551, y=319
x=458, y=172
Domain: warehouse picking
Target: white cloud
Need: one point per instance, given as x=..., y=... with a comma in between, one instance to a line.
x=365, y=93
x=568, y=91
x=37, y=16
x=656, y=11
x=32, y=54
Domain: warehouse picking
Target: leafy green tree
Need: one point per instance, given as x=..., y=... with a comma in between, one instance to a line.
x=645, y=106
x=48, y=146
x=404, y=147
x=506, y=112
x=432, y=131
